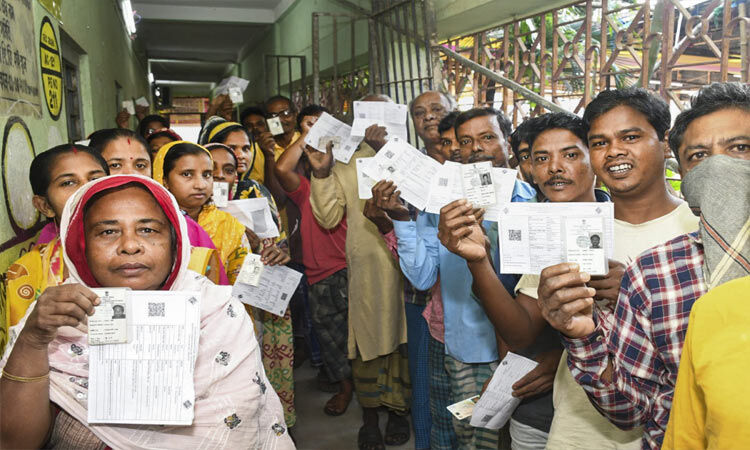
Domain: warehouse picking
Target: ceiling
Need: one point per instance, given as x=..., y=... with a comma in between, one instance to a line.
x=198, y=41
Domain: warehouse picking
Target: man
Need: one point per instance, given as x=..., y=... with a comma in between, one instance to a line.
x=254, y=121
x=283, y=108
x=377, y=325
x=561, y=167
x=470, y=341
x=519, y=144
x=427, y=110
x=627, y=361
x=449, y=148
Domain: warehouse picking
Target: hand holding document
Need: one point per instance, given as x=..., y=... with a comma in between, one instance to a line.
x=276, y=285
x=497, y=403
x=141, y=101
x=255, y=214
x=392, y=116
x=411, y=170
x=329, y=129
x=148, y=380
x=538, y=235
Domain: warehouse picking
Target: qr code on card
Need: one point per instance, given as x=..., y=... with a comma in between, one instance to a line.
x=156, y=309
x=514, y=235
x=442, y=182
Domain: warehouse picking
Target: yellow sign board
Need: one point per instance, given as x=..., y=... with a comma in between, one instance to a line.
x=54, y=7
x=49, y=55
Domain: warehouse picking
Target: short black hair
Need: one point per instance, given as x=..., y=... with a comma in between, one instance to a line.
x=151, y=118
x=556, y=120
x=41, y=166
x=505, y=125
x=647, y=103
x=251, y=111
x=177, y=151
x=99, y=139
x=521, y=134
x=275, y=98
x=448, y=122
x=711, y=98
x=310, y=110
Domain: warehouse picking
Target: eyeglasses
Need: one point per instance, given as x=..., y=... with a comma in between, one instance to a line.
x=287, y=113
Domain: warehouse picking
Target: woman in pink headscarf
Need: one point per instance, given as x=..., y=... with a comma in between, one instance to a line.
x=127, y=231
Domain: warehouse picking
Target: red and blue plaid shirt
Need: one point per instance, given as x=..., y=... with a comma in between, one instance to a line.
x=644, y=346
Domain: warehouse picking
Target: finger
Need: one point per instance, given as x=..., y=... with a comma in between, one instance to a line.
x=607, y=294
x=461, y=232
x=70, y=309
x=528, y=378
x=558, y=269
x=459, y=221
x=602, y=283
x=549, y=286
x=87, y=293
x=536, y=387
x=576, y=306
x=456, y=211
x=453, y=205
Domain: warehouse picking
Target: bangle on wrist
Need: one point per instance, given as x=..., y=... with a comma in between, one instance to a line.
x=10, y=377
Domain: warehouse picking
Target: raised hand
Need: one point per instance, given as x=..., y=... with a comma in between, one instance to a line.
x=58, y=306
x=386, y=197
x=267, y=143
x=141, y=111
x=123, y=119
x=375, y=136
x=320, y=162
x=565, y=300
x=460, y=232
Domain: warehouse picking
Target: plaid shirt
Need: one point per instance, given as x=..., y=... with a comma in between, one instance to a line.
x=657, y=293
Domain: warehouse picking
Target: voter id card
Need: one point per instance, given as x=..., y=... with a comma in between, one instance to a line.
x=109, y=324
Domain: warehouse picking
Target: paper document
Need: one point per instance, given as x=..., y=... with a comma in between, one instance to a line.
x=364, y=183
x=504, y=181
x=255, y=214
x=221, y=194
x=129, y=106
x=273, y=292
x=226, y=84
x=329, y=129
x=463, y=409
x=274, y=126
x=392, y=116
x=497, y=403
x=109, y=324
x=450, y=185
x=411, y=170
x=141, y=101
x=446, y=187
x=538, y=235
x=479, y=189
x=149, y=380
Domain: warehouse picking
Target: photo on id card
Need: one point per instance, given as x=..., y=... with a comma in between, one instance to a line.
x=584, y=244
x=109, y=323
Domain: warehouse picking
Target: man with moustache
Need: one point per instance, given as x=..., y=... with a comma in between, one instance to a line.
x=561, y=167
x=627, y=361
x=470, y=341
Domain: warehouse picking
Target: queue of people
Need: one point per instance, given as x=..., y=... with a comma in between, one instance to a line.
x=407, y=311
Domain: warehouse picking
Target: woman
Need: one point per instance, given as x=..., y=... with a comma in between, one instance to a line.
x=45, y=371
x=186, y=169
x=161, y=137
x=54, y=175
x=124, y=151
x=250, y=162
x=150, y=123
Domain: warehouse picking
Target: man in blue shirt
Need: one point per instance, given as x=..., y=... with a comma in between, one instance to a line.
x=470, y=340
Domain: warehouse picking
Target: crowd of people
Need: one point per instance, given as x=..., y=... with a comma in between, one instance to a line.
x=407, y=310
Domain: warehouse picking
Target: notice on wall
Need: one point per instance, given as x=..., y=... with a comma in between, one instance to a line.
x=19, y=82
x=49, y=55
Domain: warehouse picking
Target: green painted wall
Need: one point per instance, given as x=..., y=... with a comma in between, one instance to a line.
x=96, y=28
x=292, y=35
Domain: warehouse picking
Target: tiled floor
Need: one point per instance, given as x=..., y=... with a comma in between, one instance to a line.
x=317, y=431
